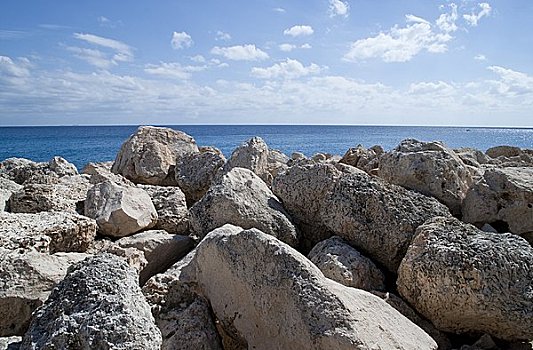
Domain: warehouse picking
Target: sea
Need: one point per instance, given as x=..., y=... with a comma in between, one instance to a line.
x=83, y=144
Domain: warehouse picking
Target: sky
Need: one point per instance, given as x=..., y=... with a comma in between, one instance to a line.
x=392, y=62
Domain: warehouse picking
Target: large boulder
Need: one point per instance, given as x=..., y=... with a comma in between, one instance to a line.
x=252, y=155
x=46, y=232
x=7, y=188
x=99, y=305
x=119, y=210
x=503, y=198
x=503, y=151
x=274, y=298
x=429, y=168
x=195, y=172
x=241, y=198
x=171, y=207
x=465, y=280
x=340, y=262
x=149, y=156
x=26, y=281
x=276, y=162
x=21, y=170
x=510, y=156
x=362, y=158
x=160, y=249
x=62, y=167
x=377, y=218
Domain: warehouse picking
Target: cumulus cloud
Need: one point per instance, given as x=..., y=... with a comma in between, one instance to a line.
x=181, y=40
x=299, y=30
x=474, y=18
x=512, y=83
x=173, y=70
x=221, y=36
x=287, y=47
x=10, y=69
x=446, y=21
x=289, y=69
x=338, y=8
x=434, y=88
x=198, y=59
x=240, y=53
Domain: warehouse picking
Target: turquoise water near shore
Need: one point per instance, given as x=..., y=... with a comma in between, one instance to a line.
x=82, y=144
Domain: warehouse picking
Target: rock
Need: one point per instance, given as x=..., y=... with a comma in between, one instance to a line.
x=274, y=298
x=471, y=156
x=465, y=280
x=64, y=194
x=429, y=168
x=160, y=249
x=503, y=198
x=362, y=158
x=276, y=162
x=251, y=155
x=298, y=156
x=132, y=256
x=118, y=210
x=241, y=198
x=483, y=343
x=377, y=218
x=46, y=232
x=195, y=172
x=20, y=169
x=171, y=207
x=7, y=188
x=105, y=308
x=10, y=343
x=183, y=316
x=101, y=172
x=340, y=262
x=27, y=280
x=62, y=167
x=149, y=156
x=319, y=157
x=503, y=151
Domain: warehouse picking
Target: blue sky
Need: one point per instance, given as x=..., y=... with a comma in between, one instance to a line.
x=270, y=61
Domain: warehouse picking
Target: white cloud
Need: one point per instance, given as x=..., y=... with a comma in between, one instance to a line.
x=173, y=70
x=415, y=19
x=299, y=30
x=289, y=69
x=222, y=36
x=181, y=40
x=434, y=88
x=306, y=46
x=123, y=52
x=446, y=21
x=14, y=72
x=279, y=10
x=338, y=8
x=480, y=57
x=240, y=53
x=106, y=22
x=92, y=56
x=512, y=83
x=198, y=59
x=473, y=18
x=287, y=47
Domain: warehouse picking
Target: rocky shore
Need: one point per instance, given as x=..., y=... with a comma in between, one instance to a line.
x=173, y=246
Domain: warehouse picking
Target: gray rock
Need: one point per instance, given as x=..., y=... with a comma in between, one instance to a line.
x=26, y=281
x=241, y=198
x=274, y=298
x=340, y=262
x=276, y=162
x=252, y=155
x=62, y=167
x=362, y=158
x=465, y=280
x=46, y=232
x=101, y=172
x=20, y=169
x=429, y=168
x=319, y=157
x=130, y=255
x=149, y=156
x=10, y=343
x=98, y=305
x=503, y=151
x=472, y=157
x=118, y=210
x=171, y=207
x=7, y=188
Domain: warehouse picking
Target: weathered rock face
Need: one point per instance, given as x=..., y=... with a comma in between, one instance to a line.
x=429, y=168
x=183, y=316
x=160, y=249
x=362, y=158
x=472, y=157
x=62, y=194
x=132, y=256
x=466, y=280
x=105, y=308
x=195, y=172
x=149, y=156
x=503, y=199
x=118, y=210
x=241, y=198
x=21, y=170
x=10, y=343
x=503, y=151
x=377, y=218
x=26, y=281
x=46, y=232
x=251, y=155
x=171, y=207
x=101, y=172
x=276, y=162
x=340, y=262
x=274, y=298
x=509, y=156
x=7, y=188
x=62, y=167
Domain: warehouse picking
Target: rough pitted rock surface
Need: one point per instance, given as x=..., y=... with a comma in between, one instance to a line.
x=105, y=308
x=10, y=343
x=171, y=207
x=160, y=249
x=472, y=156
x=377, y=218
x=340, y=262
x=26, y=280
x=429, y=168
x=62, y=194
x=195, y=172
x=21, y=170
x=252, y=155
x=119, y=210
x=362, y=158
x=466, y=280
x=149, y=156
x=101, y=172
x=183, y=316
x=274, y=298
x=132, y=256
x=62, y=167
x=241, y=198
x=276, y=162
x=502, y=196
x=503, y=151
x=46, y=232
x=7, y=188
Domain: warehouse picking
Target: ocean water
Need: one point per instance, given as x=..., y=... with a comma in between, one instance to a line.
x=83, y=144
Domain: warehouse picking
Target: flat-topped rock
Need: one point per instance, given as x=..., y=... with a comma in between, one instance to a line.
x=21, y=170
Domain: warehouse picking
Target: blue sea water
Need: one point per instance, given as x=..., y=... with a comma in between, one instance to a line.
x=83, y=144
